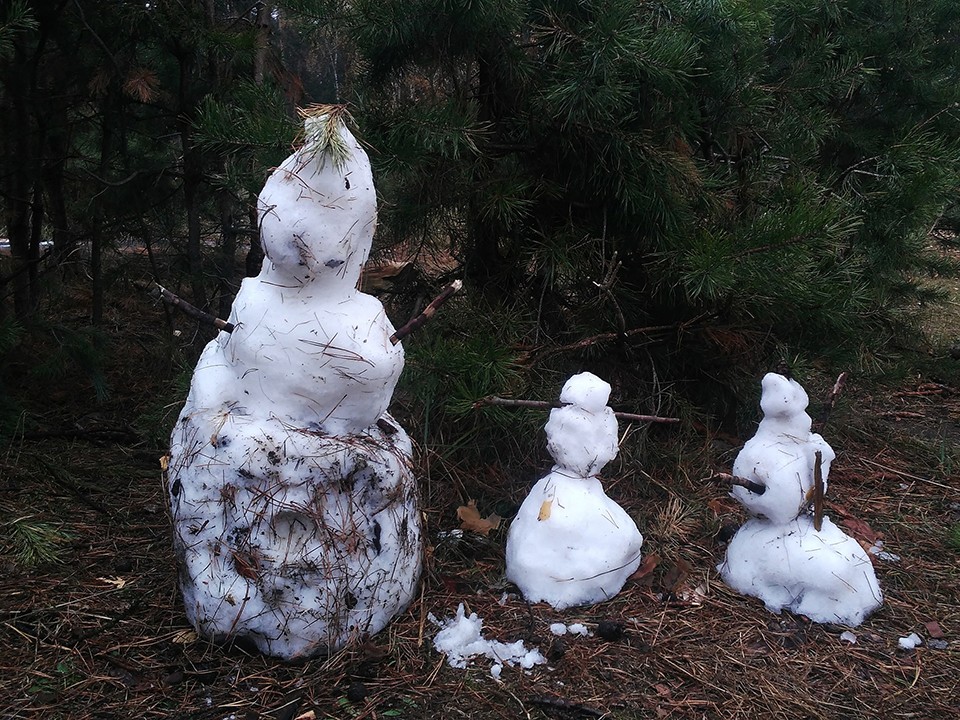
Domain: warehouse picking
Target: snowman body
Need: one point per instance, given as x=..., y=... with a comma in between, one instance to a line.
x=570, y=544
x=293, y=500
x=778, y=555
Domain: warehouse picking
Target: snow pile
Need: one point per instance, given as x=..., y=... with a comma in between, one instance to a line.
x=570, y=544
x=778, y=555
x=910, y=641
x=573, y=629
x=293, y=501
x=461, y=639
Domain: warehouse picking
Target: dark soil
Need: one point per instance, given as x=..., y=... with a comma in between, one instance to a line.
x=99, y=632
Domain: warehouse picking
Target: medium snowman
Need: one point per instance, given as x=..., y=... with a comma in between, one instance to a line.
x=294, y=505
x=778, y=555
x=570, y=544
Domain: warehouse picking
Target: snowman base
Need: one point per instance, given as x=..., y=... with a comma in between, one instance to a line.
x=570, y=544
x=293, y=540
x=824, y=575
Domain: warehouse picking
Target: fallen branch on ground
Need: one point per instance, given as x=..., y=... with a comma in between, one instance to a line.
x=544, y=405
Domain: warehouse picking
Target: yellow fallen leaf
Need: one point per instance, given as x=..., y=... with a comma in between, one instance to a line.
x=185, y=637
x=164, y=462
x=117, y=582
x=545, y=509
x=470, y=519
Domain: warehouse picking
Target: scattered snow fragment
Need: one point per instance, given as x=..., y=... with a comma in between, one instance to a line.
x=495, y=671
x=504, y=599
x=849, y=637
x=578, y=629
x=461, y=639
x=558, y=629
x=877, y=549
x=937, y=644
x=910, y=641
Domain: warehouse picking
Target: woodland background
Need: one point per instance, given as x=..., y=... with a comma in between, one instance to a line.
x=676, y=195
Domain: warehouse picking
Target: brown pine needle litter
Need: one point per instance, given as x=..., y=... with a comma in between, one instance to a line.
x=95, y=627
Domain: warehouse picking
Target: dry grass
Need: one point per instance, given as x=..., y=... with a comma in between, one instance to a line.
x=103, y=635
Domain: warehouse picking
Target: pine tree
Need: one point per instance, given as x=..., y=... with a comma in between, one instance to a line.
x=761, y=176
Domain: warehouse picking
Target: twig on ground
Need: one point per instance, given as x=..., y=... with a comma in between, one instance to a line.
x=565, y=706
x=544, y=405
x=188, y=309
x=428, y=312
x=751, y=485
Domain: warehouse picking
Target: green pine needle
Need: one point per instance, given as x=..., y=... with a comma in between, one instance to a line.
x=35, y=542
x=322, y=137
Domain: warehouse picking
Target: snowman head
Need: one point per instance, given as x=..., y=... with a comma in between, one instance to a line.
x=582, y=435
x=784, y=400
x=318, y=211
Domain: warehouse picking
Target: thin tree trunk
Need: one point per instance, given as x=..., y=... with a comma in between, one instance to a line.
x=192, y=180
x=228, y=252
x=18, y=187
x=97, y=235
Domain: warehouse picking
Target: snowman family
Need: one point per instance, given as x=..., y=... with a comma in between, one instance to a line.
x=294, y=504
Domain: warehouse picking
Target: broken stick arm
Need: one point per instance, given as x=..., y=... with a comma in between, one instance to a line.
x=428, y=312
x=191, y=310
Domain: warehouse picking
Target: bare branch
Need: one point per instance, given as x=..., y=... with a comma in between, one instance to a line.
x=751, y=485
x=188, y=309
x=428, y=312
x=544, y=405
x=818, y=491
x=831, y=401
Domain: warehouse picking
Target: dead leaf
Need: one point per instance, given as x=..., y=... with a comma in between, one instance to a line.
x=648, y=565
x=933, y=628
x=117, y=582
x=860, y=530
x=721, y=506
x=470, y=519
x=184, y=637
x=164, y=462
x=675, y=576
x=545, y=509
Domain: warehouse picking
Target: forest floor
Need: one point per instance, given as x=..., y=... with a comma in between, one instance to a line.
x=97, y=630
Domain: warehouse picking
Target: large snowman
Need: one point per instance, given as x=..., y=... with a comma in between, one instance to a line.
x=294, y=505
x=570, y=544
x=778, y=555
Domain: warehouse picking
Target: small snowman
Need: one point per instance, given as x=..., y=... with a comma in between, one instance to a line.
x=294, y=505
x=778, y=555
x=570, y=544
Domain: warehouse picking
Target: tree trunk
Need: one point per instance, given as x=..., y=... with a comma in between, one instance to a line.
x=192, y=181
x=18, y=136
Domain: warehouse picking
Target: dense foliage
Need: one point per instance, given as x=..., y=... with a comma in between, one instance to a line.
x=661, y=191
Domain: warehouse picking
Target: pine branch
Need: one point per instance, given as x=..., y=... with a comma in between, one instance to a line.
x=542, y=353
x=322, y=132
x=544, y=405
